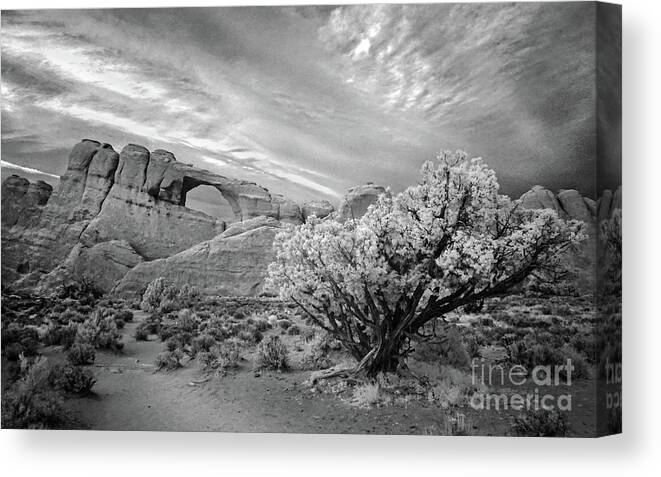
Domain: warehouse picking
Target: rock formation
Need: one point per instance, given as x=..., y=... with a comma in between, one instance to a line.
x=320, y=208
x=135, y=197
x=233, y=263
x=103, y=265
x=23, y=201
x=570, y=204
x=358, y=199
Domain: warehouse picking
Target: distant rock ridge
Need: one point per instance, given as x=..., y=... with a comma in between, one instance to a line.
x=569, y=203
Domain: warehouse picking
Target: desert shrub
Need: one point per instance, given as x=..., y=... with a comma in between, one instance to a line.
x=454, y=424
x=585, y=344
x=60, y=335
x=545, y=309
x=72, y=379
x=100, y=332
x=153, y=324
x=262, y=325
x=578, y=361
x=540, y=423
x=316, y=352
x=164, y=296
x=12, y=351
x=257, y=336
x=141, y=333
x=167, y=331
x=272, y=354
x=563, y=310
x=157, y=291
x=174, y=342
x=202, y=343
x=293, y=330
x=24, y=338
x=32, y=402
x=221, y=356
x=81, y=354
x=447, y=349
x=71, y=315
x=284, y=323
x=187, y=320
x=217, y=328
x=531, y=353
x=367, y=394
x=126, y=315
x=234, y=329
x=26, y=346
x=486, y=321
x=120, y=323
x=169, y=360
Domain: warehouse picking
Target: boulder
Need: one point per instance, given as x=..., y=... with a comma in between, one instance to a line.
x=102, y=265
x=286, y=210
x=591, y=205
x=574, y=206
x=320, y=208
x=541, y=198
x=233, y=263
x=357, y=200
x=14, y=189
x=23, y=201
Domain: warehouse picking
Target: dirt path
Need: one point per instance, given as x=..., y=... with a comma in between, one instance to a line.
x=129, y=395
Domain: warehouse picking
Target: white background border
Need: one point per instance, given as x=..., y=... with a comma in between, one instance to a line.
x=55, y=453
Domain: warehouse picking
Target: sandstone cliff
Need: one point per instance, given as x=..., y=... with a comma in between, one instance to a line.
x=136, y=197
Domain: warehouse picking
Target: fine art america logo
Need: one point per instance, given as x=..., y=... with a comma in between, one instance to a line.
x=543, y=377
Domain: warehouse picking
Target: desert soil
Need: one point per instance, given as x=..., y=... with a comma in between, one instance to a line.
x=131, y=395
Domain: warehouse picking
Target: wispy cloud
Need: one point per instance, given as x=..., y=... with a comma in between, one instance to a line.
x=27, y=170
x=307, y=101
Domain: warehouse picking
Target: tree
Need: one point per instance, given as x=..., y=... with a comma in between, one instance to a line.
x=449, y=241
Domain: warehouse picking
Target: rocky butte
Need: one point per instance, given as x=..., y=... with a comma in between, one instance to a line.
x=119, y=220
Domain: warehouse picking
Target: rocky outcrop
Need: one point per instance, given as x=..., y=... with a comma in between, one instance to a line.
x=286, y=210
x=573, y=205
x=23, y=201
x=320, y=208
x=569, y=203
x=233, y=263
x=540, y=198
x=103, y=264
x=135, y=196
x=357, y=200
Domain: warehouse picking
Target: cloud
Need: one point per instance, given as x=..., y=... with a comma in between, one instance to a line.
x=308, y=101
x=27, y=170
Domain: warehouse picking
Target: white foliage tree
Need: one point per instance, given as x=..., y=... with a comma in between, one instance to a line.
x=449, y=241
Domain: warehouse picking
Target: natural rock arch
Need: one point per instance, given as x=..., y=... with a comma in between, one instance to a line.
x=210, y=200
x=189, y=183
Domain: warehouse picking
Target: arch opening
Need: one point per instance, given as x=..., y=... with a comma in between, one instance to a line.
x=209, y=200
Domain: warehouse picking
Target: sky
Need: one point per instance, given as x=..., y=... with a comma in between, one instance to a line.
x=309, y=101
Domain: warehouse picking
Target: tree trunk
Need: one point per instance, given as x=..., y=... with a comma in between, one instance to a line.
x=386, y=356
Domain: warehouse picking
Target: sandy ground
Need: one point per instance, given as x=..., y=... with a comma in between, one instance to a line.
x=130, y=395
